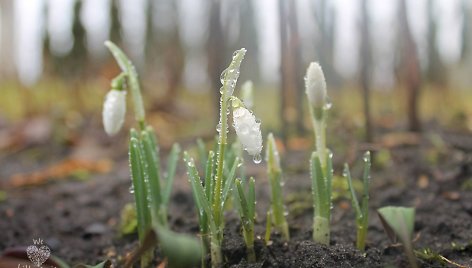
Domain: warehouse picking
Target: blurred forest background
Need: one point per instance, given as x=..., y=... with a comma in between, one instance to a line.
x=387, y=63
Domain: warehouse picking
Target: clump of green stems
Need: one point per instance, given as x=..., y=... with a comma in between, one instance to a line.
x=151, y=190
x=275, y=180
x=321, y=160
x=211, y=197
x=362, y=210
x=246, y=204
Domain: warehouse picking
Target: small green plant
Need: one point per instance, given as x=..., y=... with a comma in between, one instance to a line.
x=246, y=204
x=399, y=222
x=151, y=198
x=321, y=160
x=362, y=210
x=211, y=196
x=275, y=180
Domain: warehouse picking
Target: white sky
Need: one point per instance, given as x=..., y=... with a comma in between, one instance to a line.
x=31, y=27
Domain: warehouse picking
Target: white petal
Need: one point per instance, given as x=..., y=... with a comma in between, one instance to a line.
x=315, y=85
x=248, y=130
x=114, y=109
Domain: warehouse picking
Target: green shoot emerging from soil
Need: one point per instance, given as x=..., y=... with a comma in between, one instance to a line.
x=399, y=222
x=362, y=210
x=210, y=198
x=151, y=197
x=321, y=159
x=275, y=180
x=246, y=204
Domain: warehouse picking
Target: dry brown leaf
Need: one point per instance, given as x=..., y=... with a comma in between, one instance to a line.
x=59, y=171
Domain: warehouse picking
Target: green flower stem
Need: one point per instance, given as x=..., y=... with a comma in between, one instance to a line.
x=215, y=252
x=321, y=189
x=228, y=84
x=128, y=68
x=362, y=210
x=246, y=207
x=318, y=117
x=275, y=179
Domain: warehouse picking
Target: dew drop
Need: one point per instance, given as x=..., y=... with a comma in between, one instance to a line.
x=367, y=156
x=328, y=104
x=218, y=127
x=131, y=189
x=257, y=158
x=222, y=89
x=223, y=75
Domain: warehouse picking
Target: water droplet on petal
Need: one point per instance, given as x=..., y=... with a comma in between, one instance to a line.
x=257, y=158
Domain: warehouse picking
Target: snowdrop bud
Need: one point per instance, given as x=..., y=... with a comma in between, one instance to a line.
x=248, y=130
x=114, y=109
x=315, y=86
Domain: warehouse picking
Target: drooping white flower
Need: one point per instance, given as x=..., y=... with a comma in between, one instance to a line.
x=248, y=130
x=315, y=85
x=114, y=109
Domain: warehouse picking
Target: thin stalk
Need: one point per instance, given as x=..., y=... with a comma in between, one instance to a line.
x=128, y=68
x=321, y=189
x=362, y=210
x=275, y=179
x=320, y=138
x=268, y=227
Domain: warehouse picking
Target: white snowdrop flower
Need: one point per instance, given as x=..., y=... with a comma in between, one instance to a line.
x=315, y=85
x=114, y=109
x=248, y=130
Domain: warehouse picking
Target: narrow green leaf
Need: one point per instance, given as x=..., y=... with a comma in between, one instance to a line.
x=318, y=186
x=329, y=177
x=230, y=180
x=171, y=168
x=251, y=199
x=268, y=227
x=355, y=203
x=202, y=152
x=150, y=158
x=181, y=250
x=209, y=175
x=137, y=176
x=398, y=221
x=366, y=182
x=198, y=191
x=244, y=212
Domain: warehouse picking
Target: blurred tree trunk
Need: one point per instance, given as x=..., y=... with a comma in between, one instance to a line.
x=248, y=38
x=7, y=70
x=215, y=53
x=435, y=72
x=115, y=29
x=409, y=69
x=326, y=20
x=466, y=34
x=365, y=72
x=168, y=44
x=296, y=57
x=290, y=48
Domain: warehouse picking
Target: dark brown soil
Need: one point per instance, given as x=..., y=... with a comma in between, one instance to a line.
x=78, y=219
